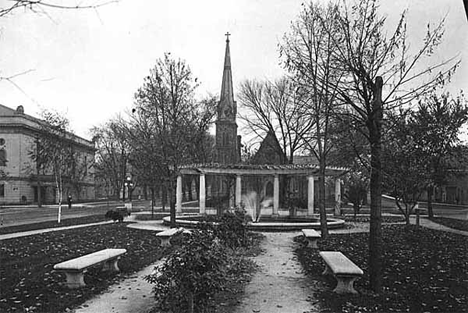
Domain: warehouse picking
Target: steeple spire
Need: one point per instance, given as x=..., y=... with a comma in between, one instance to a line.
x=227, y=106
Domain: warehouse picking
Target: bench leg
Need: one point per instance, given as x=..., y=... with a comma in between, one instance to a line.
x=165, y=242
x=327, y=271
x=75, y=280
x=312, y=243
x=345, y=284
x=111, y=265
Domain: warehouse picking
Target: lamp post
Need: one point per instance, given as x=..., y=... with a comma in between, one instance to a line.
x=128, y=184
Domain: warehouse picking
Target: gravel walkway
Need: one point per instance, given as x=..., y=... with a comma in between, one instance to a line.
x=280, y=285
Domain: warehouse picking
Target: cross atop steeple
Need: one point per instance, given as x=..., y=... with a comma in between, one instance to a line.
x=227, y=36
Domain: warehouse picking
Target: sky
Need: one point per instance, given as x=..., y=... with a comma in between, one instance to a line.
x=88, y=64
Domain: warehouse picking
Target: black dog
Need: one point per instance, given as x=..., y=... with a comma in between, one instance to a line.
x=115, y=216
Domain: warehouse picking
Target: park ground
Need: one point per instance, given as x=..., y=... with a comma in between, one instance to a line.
x=287, y=279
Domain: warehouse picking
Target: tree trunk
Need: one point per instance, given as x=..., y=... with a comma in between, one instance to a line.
x=172, y=202
x=321, y=194
x=374, y=125
x=152, y=201
x=164, y=197
x=430, y=194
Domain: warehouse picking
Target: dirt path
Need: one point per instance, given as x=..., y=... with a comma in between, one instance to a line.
x=279, y=285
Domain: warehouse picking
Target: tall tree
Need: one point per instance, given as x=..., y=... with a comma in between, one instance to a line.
x=166, y=100
x=378, y=73
x=308, y=56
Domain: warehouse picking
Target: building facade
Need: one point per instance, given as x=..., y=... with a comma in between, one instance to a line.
x=20, y=183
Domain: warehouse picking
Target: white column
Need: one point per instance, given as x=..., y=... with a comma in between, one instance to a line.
x=337, y=196
x=238, y=190
x=202, y=194
x=179, y=194
x=276, y=195
x=310, y=195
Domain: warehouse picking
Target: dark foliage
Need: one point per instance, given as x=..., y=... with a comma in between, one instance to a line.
x=52, y=224
x=209, y=260
x=425, y=271
x=452, y=223
x=29, y=283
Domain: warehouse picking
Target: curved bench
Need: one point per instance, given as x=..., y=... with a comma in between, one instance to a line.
x=75, y=268
x=345, y=271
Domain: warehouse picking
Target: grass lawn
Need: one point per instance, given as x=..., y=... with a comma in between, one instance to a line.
x=425, y=271
x=452, y=223
x=53, y=224
x=29, y=284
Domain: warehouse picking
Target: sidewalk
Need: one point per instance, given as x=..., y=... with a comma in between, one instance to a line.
x=280, y=285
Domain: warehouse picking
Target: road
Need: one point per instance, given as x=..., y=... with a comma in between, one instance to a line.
x=17, y=215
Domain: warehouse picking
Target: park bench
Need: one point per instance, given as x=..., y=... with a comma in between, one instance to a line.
x=75, y=268
x=312, y=236
x=166, y=235
x=344, y=270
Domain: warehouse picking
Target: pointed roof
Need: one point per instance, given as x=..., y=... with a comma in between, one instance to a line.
x=227, y=92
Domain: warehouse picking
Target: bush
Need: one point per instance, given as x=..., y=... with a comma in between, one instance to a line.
x=191, y=274
x=206, y=261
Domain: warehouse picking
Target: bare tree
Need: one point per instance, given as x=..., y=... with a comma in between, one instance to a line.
x=41, y=5
x=308, y=56
x=379, y=73
x=112, y=155
x=275, y=108
x=53, y=151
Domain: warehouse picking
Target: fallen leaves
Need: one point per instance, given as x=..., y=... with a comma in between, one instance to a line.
x=29, y=283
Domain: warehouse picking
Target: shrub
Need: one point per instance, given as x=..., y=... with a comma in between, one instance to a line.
x=191, y=275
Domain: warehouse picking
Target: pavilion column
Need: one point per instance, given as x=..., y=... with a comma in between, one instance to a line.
x=238, y=190
x=276, y=195
x=202, y=194
x=179, y=194
x=310, y=195
x=337, y=196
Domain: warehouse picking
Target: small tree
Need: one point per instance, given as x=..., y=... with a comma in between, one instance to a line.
x=191, y=274
x=437, y=121
x=53, y=151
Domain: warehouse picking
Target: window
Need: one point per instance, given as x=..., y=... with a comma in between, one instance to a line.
x=2, y=190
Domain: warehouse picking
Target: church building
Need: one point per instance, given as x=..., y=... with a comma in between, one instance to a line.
x=227, y=144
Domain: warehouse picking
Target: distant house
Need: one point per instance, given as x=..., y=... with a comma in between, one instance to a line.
x=19, y=182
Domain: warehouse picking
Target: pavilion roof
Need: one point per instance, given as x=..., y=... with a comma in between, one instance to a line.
x=260, y=169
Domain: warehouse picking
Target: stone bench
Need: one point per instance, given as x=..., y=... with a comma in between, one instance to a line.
x=345, y=271
x=312, y=236
x=166, y=235
x=75, y=268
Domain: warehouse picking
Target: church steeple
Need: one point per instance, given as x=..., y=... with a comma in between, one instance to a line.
x=227, y=108
x=227, y=146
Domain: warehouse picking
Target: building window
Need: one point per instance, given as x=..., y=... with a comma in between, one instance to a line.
x=2, y=190
x=3, y=157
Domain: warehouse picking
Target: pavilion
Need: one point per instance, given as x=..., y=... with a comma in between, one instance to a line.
x=309, y=171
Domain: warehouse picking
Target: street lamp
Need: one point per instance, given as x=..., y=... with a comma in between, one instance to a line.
x=128, y=184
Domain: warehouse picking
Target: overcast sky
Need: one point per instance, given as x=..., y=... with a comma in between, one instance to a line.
x=88, y=64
